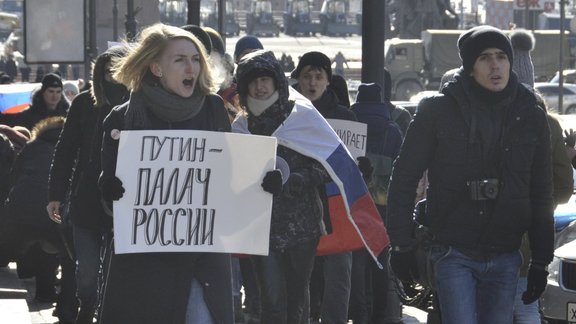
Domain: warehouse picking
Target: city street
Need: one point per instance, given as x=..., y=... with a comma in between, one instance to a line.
x=17, y=304
x=351, y=46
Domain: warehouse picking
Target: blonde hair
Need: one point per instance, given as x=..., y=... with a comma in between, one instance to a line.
x=152, y=41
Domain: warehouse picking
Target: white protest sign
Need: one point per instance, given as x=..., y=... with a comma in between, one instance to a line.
x=352, y=133
x=193, y=191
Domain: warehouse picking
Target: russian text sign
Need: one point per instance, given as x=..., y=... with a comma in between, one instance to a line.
x=352, y=133
x=193, y=191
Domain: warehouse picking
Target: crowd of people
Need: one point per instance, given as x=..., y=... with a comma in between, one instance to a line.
x=480, y=168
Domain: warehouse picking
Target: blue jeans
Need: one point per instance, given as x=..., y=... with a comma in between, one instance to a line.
x=473, y=290
x=197, y=311
x=284, y=279
x=525, y=314
x=90, y=246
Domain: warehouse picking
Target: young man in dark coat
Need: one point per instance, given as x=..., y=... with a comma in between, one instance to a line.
x=77, y=157
x=47, y=101
x=330, y=286
x=486, y=145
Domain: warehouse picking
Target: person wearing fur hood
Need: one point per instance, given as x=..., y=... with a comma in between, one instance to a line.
x=27, y=234
x=82, y=138
x=523, y=42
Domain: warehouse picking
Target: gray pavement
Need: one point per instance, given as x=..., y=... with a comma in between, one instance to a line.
x=17, y=304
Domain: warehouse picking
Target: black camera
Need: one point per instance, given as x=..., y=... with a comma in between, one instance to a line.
x=485, y=189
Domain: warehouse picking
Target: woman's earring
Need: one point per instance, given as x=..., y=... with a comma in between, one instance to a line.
x=160, y=74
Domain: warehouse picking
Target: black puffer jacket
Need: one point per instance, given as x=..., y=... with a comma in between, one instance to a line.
x=439, y=139
x=77, y=157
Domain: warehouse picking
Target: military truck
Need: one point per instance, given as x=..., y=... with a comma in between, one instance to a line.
x=418, y=64
x=231, y=26
x=335, y=20
x=259, y=21
x=298, y=20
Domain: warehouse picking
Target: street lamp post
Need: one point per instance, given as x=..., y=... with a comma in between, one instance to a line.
x=561, y=64
x=131, y=22
x=115, y=20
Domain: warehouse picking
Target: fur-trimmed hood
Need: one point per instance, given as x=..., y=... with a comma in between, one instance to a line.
x=522, y=40
x=48, y=129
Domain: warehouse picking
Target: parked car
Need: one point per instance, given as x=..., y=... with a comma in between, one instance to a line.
x=558, y=303
x=551, y=92
x=569, y=76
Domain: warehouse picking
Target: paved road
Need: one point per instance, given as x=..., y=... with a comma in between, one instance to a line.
x=17, y=304
x=351, y=46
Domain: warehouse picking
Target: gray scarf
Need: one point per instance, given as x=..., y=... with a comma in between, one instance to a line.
x=166, y=106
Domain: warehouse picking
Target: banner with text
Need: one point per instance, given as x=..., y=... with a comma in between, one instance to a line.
x=193, y=191
x=352, y=133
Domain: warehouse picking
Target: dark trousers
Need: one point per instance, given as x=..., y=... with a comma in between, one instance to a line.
x=283, y=278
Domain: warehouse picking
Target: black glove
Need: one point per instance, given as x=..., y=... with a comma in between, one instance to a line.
x=404, y=265
x=295, y=183
x=365, y=167
x=272, y=182
x=111, y=188
x=537, y=279
x=570, y=137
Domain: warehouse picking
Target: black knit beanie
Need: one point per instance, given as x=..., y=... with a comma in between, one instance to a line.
x=315, y=59
x=202, y=36
x=51, y=80
x=369, y=92
x=477, y=39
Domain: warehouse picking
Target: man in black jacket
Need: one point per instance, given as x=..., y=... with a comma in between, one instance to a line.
x=77, y=157
x=331, y=280
x=486, y=146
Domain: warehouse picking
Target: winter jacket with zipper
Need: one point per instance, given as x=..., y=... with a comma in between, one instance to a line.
x=161, y=281
x=439, y=139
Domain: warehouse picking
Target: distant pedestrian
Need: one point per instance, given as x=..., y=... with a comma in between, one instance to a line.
x=339, y=61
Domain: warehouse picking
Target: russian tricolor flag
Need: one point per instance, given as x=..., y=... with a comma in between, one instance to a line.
x=353, y=214
x=16, y=97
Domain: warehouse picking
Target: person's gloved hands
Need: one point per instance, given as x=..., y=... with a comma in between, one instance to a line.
x=537, y=279
x=272, y=182
x=111, y=188
x=295, y=184
x=404, y=265
x=365, y=166
x=570, y=137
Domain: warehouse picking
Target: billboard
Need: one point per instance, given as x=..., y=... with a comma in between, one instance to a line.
x=54, y=31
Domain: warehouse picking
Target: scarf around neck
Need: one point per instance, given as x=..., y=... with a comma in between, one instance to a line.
x=257, y=106
x=166, y=106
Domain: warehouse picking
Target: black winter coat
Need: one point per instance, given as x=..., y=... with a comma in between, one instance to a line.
x=35, y=113
x=27, y=200
x=330, y=108
x=154, y=287
x=76, y=164
x=439, y=139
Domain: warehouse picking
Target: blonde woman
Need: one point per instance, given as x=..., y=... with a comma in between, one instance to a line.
x=171, y=88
